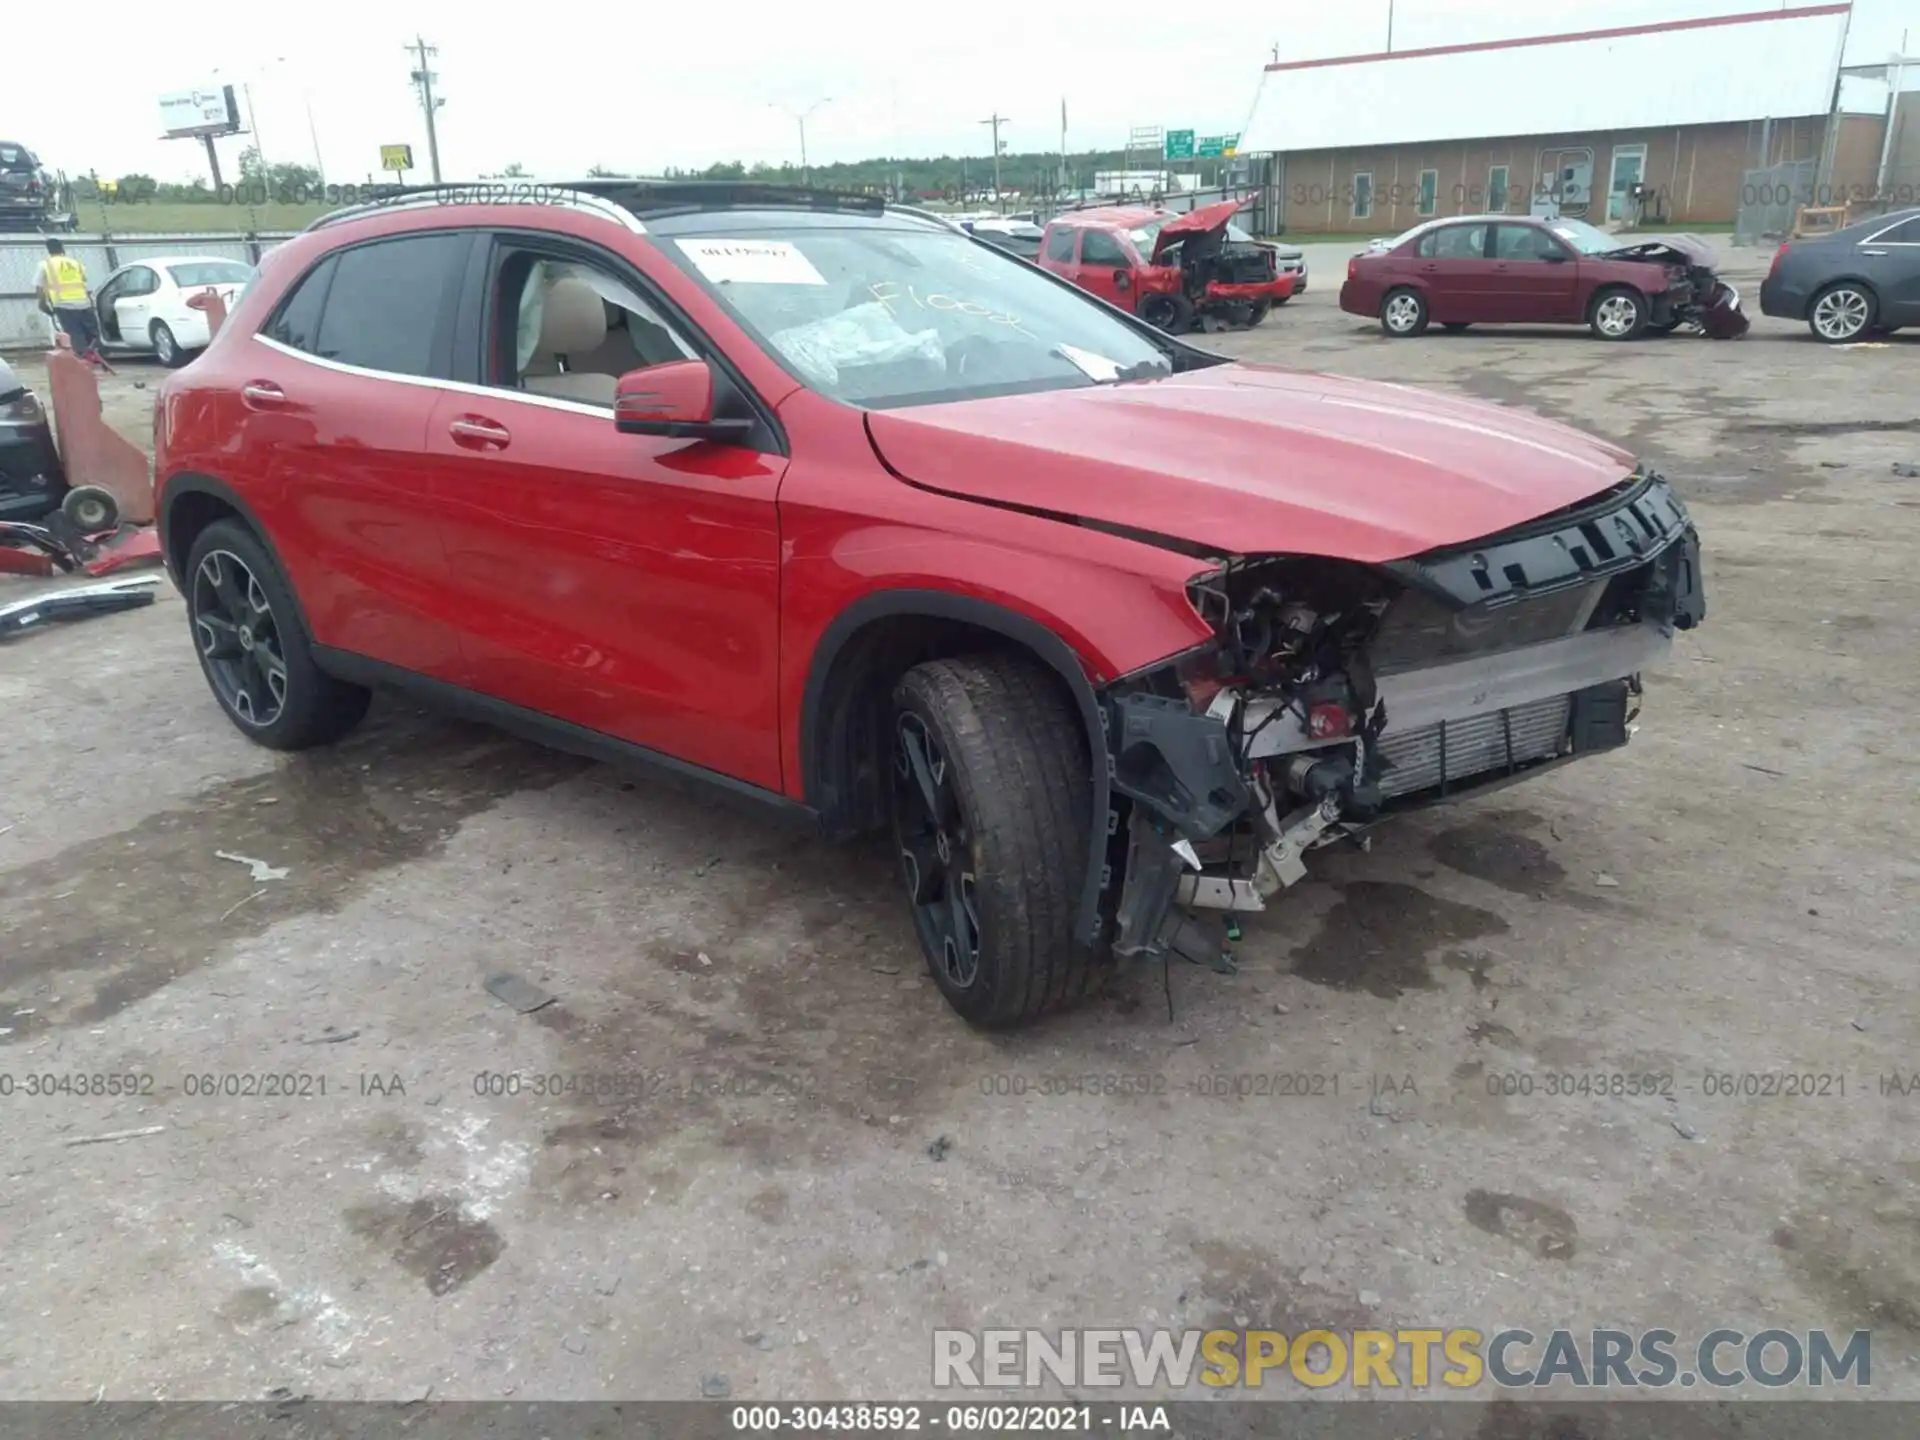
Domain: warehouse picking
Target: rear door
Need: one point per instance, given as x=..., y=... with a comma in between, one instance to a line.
x=1106, y=268
x=628, y=584
x=1890, y=258
x=1451, y=265
x=1534, y=277
x=340, y=383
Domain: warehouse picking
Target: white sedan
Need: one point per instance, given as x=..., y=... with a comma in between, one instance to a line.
x=143, y=306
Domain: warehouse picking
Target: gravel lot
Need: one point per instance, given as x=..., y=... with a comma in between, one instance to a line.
x=821, y=1164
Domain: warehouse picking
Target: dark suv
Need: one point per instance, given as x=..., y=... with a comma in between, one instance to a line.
x=835, y=506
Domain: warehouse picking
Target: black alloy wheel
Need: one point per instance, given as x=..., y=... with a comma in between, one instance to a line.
x=239, y=638
x=936, y=853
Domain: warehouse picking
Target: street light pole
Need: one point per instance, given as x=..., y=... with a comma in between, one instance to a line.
x=259, y=145
x=800, y=119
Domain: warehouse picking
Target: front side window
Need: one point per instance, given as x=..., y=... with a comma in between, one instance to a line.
x=1524, y=242
x=577, y=329
x=883, y=313
x=387, y=302
x=1097, y=247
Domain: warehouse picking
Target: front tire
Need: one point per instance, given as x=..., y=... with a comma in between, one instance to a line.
x=166, y=349
x=1618, y=313
x=1842, y=313
x=254, y=650
x=991, y=802
x=1403, y=313
x=1171, y=313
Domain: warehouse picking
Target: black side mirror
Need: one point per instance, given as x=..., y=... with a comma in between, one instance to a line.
x=1122, y=280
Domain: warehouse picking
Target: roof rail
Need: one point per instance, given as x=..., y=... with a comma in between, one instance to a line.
x=505, y=191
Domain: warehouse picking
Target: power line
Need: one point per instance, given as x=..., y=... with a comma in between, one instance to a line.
x=423, y=79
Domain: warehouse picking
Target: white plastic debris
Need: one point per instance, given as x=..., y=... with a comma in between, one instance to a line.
x=262, y=871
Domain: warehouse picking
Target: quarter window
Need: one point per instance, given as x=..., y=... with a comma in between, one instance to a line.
x=297, y=322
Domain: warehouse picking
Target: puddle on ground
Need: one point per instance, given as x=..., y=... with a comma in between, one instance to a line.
x=1546, y=1230
x=432, y=1238
x=1377, y=937
x=106, y=923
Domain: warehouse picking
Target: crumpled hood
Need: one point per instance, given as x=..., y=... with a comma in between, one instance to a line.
x=1245, y=459
x=1198, y=222
x=1688, y=249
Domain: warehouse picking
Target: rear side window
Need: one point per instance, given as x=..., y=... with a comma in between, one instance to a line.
x=387, y=303
x=1060, y=243
x=1905, y=233
x=297, y=322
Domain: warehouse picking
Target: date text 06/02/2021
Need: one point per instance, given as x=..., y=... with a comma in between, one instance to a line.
x=953, y=1419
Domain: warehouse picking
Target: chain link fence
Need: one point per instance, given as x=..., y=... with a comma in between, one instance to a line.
x=23, y=327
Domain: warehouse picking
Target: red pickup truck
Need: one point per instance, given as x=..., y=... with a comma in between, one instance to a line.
x=1171, y=270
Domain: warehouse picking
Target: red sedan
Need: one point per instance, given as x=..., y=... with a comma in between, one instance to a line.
x=1507, y=269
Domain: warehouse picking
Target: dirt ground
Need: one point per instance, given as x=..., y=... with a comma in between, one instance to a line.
x=814, y=1163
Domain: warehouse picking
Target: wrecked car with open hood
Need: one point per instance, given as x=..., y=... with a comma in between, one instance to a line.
x=1520, y=269
x=1175, y=271
x=846, y=511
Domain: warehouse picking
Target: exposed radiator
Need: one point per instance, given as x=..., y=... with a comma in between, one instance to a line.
x=1456, y=750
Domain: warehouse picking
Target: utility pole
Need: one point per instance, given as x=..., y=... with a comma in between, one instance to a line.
x=423, y=79
x=996, y=120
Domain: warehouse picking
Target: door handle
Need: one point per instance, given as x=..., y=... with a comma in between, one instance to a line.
x=262, y=395
x=1865, y=251
x=1430, y=265
x=476, y=432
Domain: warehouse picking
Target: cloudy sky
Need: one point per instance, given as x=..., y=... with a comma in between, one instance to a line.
x=641, y=87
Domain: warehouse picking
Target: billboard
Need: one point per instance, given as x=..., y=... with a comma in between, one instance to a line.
x=210, y=110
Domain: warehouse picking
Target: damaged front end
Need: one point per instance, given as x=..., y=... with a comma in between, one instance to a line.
x=1335, y=694
x=1694, y=293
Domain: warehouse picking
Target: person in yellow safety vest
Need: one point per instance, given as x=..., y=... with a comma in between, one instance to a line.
x=61, y=288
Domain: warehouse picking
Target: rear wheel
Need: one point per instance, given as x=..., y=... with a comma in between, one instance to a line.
x=166, y=349
x=253, y=649
x=991, y=803
x=1403, y=313
x=1618, y=313
x=1842, y=312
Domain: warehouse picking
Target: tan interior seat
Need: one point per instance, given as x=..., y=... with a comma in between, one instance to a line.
x=573, y=327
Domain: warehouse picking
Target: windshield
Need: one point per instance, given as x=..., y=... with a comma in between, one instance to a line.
x=210, y=272
x=883, y=315
x=1584, y=237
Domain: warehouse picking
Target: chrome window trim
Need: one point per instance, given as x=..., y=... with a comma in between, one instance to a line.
x=433, y=382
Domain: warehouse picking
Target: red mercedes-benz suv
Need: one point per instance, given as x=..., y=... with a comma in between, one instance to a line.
x=831, y=504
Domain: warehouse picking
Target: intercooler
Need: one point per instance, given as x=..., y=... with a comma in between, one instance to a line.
x=1453, y=751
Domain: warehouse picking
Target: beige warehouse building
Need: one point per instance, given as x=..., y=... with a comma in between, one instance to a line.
x=1734, y=118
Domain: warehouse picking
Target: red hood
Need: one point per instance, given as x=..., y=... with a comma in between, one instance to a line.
x=1248, y=459
x=1198, y=222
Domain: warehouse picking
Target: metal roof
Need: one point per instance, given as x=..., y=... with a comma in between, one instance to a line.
x=1749, y=66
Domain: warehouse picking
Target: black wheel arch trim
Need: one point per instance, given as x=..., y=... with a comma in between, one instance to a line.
x=1023, y=629
x=190, y=483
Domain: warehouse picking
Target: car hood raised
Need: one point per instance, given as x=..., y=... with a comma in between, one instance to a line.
x=1198, y=222
x=1244, y=459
